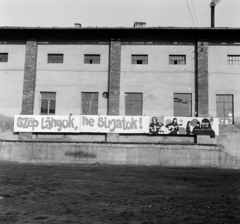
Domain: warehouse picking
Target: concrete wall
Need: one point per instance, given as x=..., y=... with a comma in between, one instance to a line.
x=157, y=80
x=223, y=78
x=11, y=87
x=229, y=139
x=79, y=153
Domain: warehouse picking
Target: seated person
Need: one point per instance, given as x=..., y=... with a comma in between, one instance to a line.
x=173, y=127
x=154, y=127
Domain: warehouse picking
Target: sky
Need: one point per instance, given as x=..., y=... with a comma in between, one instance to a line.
x=117, y=13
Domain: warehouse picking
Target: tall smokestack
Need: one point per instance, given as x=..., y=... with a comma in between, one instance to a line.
x=212, y=5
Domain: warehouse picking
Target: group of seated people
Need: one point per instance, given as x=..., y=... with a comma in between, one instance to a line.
x=172, y=128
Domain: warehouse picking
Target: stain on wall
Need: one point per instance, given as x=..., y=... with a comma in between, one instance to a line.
x=80, y=154
x=6, y=128
x=6, y=123
x=151, y=97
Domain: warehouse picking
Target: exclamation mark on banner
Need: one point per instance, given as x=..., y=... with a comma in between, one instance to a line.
x=140, y=121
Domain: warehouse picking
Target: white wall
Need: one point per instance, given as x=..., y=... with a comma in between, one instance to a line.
x=223, y=78
x=72, y=77
x=158, y=80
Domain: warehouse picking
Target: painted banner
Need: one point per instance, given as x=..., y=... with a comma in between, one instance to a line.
x=191, y=126
x=42, y=123
x=115, y=124
x=184, y=126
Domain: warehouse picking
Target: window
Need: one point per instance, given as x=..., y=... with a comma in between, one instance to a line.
x=3, y=57
x=182, y=104
x=55, y=58
x=225, y=108
x=48, y=103
x=91, y=59
x=89, y=103
x=234, y=59
x=177, y=59
x=133, y=104
x=140, y=59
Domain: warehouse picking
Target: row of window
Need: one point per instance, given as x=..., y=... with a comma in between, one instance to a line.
x=134, y=105
x=136, y=59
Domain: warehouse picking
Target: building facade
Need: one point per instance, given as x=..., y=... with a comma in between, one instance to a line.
x=156, y=71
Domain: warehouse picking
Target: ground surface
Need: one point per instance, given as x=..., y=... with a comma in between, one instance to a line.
x=117, y=194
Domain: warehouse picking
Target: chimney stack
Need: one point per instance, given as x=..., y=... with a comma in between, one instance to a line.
x=78, y=25
x=212, y=5
x=139, y=24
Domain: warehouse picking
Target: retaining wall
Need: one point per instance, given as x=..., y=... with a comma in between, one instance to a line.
x=127, y=154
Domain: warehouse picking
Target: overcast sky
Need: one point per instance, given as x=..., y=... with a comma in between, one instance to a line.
x=117, y=13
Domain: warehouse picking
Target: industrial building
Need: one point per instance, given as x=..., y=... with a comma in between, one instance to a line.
x=122, y=71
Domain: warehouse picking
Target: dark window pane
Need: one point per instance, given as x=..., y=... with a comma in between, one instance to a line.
x=138, y=105
x=94, y=111
x=183, y=104
x=177, y=59
x=186, y=112
x=228, y=113
x=48, y=103
x=225, y=108
x=177, y=112
x=220, y=113
x=189, y=97
x=55, y=58
x=129, y=108
x=220, y=106
x=180, y=97
x=221, y=98
x=92, y=59
x=234, y=59
x=89, y=103
x=129, y=96
x=95, y=104
x=52, y=107
x=177, y=104
x=184, y=97
x=133, y=104
x=228, y=105
x=139, y=59
x=226, y=98
x=44, y=106
x=3, y=57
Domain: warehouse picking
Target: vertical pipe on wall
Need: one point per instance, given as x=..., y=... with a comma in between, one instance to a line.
x=196, y=78
x=212, y=5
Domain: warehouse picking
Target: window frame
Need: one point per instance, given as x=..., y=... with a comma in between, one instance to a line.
x=49, y=100
x=233, y=59
x=137, y=58
x=126, y=102
x=3, y=56
x=225, y=117
x=57, y=60
x=96, y=60
x=182, y=102
x=174, y=58
x=89, y=109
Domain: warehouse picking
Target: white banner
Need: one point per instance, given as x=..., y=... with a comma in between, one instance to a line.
x=115, y=124
x=51, y=123
x=191, y=126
